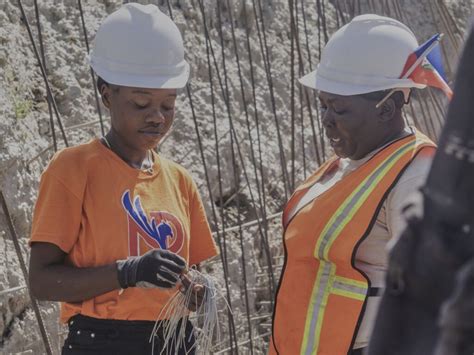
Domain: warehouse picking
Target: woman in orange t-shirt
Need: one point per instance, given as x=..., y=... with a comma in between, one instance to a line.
x=115, y=224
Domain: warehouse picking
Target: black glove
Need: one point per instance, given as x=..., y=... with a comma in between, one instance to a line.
x=156, y=268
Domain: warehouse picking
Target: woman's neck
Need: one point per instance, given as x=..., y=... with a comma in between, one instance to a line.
x=396, y=134
x=387, y=139
x=137, y=159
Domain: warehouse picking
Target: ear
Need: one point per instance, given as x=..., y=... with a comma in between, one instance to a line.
x=387, y=110
x=105, y=93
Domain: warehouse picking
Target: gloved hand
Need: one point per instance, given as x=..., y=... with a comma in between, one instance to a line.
x=155, y=268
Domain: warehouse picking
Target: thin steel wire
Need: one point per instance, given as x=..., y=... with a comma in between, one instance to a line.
x=262, y=38
x=439, y=114
x=232, y=333
x=48, y=100
x=300, y=89
x=43, y=72
x=325, y=29
x=427, y=113
x=226, y=95
x=448, y=23
x=24, y=270
x=319, y=158
x=264, y=239
x=320, y=25
x=302, y=127
x=230, y=319
x=427, y=121
x=232, y=128
x=244, y=100
x=257, y=119
x=446, y=58
x=301, y=71
x=292, y=92
x=96, y=95
x=7, y=291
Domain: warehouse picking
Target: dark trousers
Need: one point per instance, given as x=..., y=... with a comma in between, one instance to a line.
x=94, y=336
x=360, y=351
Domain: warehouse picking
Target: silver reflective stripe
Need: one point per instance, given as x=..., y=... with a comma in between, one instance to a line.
x=355, y=198
x=322, y=287
x=350, y=288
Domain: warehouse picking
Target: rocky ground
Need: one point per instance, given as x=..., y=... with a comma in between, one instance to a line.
x=26, y=137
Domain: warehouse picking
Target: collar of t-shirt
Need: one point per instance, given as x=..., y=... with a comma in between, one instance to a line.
x=345, y=166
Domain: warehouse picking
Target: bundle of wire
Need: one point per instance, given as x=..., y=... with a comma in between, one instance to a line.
x=176, y=314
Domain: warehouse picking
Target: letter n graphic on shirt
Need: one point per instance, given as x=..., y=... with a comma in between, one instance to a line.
x=162, y=230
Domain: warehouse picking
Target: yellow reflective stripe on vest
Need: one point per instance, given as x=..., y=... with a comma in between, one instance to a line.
x=319, y=296
x=343, y=286
x=326, y=281
x=352, y=204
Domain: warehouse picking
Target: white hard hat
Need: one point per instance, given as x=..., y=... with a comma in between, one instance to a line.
x=368, y=54
x=140, y=46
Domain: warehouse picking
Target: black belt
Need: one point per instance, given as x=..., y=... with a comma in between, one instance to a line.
x=375, y=291
x=359, y=351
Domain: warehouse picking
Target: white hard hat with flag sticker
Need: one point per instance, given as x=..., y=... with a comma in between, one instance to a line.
x=368, y=54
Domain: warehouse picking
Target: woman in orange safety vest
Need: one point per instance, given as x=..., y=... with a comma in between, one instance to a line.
x=338, y=223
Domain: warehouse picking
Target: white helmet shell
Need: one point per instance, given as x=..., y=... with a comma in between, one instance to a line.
x=139, y=46
x=368, y=54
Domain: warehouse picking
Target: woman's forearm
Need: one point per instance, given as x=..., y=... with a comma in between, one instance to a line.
x=65, y=283
x=51, y=278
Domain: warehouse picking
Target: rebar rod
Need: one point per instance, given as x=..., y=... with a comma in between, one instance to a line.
x=24, y=269
x=50, y=109
x=96, y=95
x=43, y=73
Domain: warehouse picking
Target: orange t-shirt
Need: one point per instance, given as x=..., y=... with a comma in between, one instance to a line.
x=98, y=209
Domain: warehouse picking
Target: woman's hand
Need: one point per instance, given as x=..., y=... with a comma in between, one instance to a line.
x=155, y=268
x=197, y=295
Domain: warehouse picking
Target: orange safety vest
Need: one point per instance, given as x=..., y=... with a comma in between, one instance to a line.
x=321, y=297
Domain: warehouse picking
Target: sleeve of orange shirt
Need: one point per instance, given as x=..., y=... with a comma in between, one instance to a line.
x=201, y=245
x=58, y=210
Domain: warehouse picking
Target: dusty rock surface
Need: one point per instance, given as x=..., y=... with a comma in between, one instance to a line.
x=26, y=137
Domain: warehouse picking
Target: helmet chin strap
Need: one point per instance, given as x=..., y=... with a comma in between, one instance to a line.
x=385, y=98
x=406, y=94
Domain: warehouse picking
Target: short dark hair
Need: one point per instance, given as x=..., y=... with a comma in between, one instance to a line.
x=397, y=96
x=101, y=82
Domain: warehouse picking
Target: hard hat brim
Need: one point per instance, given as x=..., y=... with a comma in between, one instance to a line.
x=317, y=82
x=148, y=81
